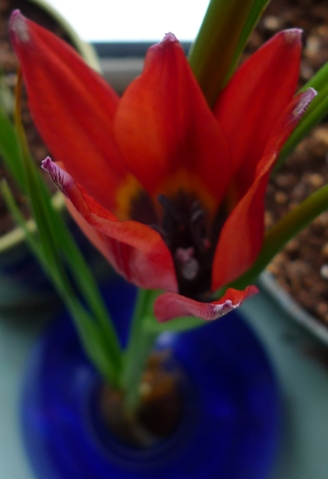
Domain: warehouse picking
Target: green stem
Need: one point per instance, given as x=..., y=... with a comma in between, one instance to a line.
x=141, y=342
x=251, y=21
x=220, y=41
x=283, y=231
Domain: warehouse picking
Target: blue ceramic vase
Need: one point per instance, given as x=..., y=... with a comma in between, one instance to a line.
x=230, y=416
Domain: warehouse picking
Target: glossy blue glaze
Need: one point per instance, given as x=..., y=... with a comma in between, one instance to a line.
x=229, y=428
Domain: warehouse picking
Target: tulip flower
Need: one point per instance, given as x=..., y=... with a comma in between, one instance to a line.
x=169, y=190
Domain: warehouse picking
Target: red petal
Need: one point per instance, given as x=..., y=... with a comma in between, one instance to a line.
x=98, y=239
x=72, y=106
x=164, y=125
x=136, y=251
x=241, y=237
x=255, y=98
x=170, y=305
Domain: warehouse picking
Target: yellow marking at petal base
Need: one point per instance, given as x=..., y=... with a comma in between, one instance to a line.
x=130, y=189
x=188, y=182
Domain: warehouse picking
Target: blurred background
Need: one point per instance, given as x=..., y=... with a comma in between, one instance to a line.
x=121, y=21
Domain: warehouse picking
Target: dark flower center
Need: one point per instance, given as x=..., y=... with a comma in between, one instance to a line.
x=185, y=228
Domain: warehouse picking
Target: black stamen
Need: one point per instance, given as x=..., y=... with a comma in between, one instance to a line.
x=184, y=229
x=170, y=208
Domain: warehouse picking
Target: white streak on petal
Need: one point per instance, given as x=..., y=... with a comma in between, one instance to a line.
x=304, y=102
x=293, y=35
x=61, y=179
x=172, y=305
x=224, y=308
x=18, y=26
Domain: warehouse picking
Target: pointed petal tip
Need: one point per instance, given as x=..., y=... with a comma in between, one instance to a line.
x=292, y=35
x=305, y=99
x=46, y=164
x=61, y=179
x=172, y=305
x=18, y=26
x=169, y=38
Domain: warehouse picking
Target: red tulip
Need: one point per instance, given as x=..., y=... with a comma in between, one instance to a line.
x=171, y=192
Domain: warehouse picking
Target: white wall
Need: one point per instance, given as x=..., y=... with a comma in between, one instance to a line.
x=133, y=20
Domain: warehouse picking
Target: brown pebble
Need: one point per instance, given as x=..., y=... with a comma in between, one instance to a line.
x=324, y=271
x=307, y=299
x=306, y=71
x=292, y=205
x=281, y=198
x=255, y=40
x=273, y=269
x=280, y=258
x=292, y=246
x=321, y=134
x=312, y=47
x=321, y=220
x=316, y=180
x=308, y=282
x=319, y=288
x=286, y=180
x=299, y=192
x=322, y=309
x=324, y=250
x=272, y=23
x=323, y=30
x=268, y=219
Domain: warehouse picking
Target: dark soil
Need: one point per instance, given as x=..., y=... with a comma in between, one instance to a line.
x=302, y=267
x=8, y=69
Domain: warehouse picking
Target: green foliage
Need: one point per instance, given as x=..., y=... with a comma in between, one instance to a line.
x=316, y=111
x=57, y=252
x=220, y=41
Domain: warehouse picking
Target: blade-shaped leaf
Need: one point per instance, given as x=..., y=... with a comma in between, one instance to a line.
x=10, y=151
x=316, y=111
x=220, y=41
x=56, y=250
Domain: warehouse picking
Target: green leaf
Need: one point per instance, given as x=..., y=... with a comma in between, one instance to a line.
x=14, y=210
x=93, y=340
x=10, y=151
x=249, y=25
x=140, y=344
x=59, y=245
x=220, y=42
x=56, y=250
x=7, y=99
x=316, y=111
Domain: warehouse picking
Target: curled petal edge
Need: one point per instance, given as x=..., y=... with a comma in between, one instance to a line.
x=171, y=305
x=136, y=251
